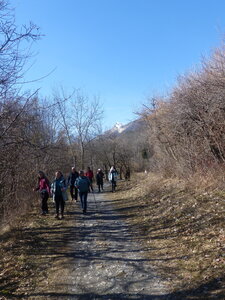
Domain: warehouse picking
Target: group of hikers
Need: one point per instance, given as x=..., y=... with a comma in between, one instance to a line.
x=79, y=183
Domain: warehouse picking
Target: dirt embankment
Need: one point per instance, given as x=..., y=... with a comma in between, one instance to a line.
x=184, y=230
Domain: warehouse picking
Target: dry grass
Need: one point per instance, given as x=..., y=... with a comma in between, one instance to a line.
x=182, y=226
x=30, y=249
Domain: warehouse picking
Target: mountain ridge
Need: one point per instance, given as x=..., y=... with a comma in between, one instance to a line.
x=120, y=129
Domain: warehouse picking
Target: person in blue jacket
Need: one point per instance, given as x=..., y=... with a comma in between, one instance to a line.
x=59, y=194
x=83, y=183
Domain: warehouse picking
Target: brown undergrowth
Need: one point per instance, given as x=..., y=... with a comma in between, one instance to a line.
x=182, y=226
x=33, y=245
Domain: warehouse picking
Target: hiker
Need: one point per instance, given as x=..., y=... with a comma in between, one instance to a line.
x=58, y=189
x=99, y=180
x=113, y=177
x=83, y=183
x=89, y=174
x=44, y=189
x=127, y=174
x=71, y=182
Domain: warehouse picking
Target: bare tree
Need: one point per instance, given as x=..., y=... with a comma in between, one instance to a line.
x=86, y=118
x=187, y=129
x=16, y=119
x=63, y=104
x=12, y=56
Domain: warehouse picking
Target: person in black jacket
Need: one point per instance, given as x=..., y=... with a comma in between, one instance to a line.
x=99, y=179
x=71, y=182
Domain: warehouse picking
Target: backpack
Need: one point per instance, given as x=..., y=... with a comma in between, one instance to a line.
x=113, y=176
x=83, y=184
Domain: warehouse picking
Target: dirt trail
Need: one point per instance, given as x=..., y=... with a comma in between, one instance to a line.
x=103, y=260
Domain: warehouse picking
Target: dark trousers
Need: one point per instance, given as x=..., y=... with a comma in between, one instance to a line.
x=83, y=200
x=91, y=186
x=73, y=188
x=44, y=202
x=59, y=204
x=100, y=186
x=113, y=185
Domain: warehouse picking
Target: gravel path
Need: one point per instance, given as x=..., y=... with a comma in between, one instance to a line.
x=106, y=260
x=109, y=263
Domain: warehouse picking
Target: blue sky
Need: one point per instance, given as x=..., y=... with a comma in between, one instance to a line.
x=124, y=51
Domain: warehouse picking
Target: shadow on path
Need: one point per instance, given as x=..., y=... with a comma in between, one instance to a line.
x=103, y=255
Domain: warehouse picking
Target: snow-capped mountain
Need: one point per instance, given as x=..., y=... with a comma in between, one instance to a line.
x=120, y=129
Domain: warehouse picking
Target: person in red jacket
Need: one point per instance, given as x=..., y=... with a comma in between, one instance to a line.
x=44, y=189
x=89, y=174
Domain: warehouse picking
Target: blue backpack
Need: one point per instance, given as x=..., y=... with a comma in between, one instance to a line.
x=83, y=184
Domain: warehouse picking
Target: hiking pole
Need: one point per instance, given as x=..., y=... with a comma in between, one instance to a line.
x=94, y=200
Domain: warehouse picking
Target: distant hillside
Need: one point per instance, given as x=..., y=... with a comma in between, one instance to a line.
x=125, y=146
